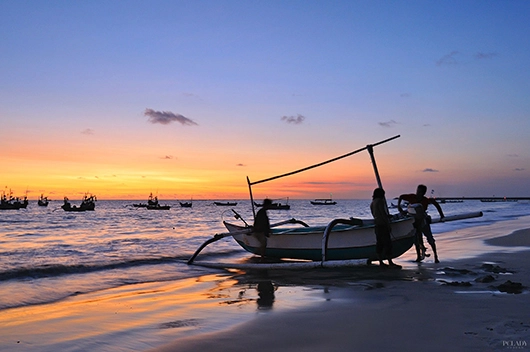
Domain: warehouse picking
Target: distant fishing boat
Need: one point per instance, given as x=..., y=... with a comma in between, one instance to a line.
x=186, y=204
x=158, y=207
x=490, y=200
x=43, y=201
x=151, y=200
x=323, y=201
x=87, y=204
x=152, y=204
x=276, y=205
x=12, y=203
x=225, y=204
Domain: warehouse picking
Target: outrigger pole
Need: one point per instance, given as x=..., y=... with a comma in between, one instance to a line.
x=369, y=147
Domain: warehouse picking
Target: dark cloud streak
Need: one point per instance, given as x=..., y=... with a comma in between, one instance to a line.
x=167, y=117
x=294, y=119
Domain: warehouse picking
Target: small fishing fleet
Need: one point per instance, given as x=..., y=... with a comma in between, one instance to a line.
x=12, y=203
x=342, y=242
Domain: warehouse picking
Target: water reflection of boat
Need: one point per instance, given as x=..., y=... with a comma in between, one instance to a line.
x=87, y=204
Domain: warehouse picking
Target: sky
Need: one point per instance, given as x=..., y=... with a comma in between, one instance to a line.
x=186, y=99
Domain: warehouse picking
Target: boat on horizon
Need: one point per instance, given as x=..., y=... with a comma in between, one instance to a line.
x=151, y=200
x=323, y=201
x=12, y=203
x=225, y=204
x=87, y=204
x=276, y=205
x=153, y=204
x=43, y=201
x=186, y=204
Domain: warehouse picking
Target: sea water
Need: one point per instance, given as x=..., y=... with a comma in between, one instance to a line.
x=47, y=254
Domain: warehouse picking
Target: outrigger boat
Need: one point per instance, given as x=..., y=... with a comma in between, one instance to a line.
x=43, y=201
x=88, y=203
x=341, y=243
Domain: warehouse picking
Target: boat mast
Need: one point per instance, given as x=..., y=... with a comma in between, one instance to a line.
x=369, y=147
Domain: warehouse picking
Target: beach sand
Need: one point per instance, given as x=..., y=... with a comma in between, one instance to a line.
x=452, y=306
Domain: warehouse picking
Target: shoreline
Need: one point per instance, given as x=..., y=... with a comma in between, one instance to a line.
x=421, y=307
x=448, y=306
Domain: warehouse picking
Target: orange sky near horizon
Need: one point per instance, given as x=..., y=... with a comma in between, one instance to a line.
x=191, y=100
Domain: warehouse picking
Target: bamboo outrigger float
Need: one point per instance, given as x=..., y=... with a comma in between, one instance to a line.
x=341, y=243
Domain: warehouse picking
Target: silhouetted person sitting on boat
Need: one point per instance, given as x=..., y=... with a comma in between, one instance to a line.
x=262, y=227
x=379, y=211
x=418, y=204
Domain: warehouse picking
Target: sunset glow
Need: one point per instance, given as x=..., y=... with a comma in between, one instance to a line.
x=187, y=99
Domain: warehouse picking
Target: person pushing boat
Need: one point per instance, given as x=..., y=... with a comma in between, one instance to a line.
x=262, y=226
x=418, y=204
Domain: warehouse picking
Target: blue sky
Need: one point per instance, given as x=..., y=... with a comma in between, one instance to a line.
x=267, y=87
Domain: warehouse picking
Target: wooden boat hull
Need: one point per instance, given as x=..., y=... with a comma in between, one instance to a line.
x=345, y=242
x=323, y=203
x=225, y=204
x=158, y=207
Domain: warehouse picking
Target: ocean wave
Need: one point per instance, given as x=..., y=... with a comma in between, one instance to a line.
x=55, y=270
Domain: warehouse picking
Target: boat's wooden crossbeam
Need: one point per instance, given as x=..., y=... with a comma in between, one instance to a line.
x=329, y=228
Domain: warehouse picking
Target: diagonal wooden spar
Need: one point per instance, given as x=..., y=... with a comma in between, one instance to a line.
x=369, y=147
x=324, y=162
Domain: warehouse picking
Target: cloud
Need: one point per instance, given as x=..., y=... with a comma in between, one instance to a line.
x=168, y=157
x=449, y=59
x=298, y=119
x=429, y=170
x=390, y=123
x=240, y=164
x=88, y=132
x=482, y=56
x=404, y=95
x=513, y=155
x=166, y=117
x=518, y=169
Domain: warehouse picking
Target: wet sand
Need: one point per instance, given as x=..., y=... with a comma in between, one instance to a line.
x=452, y=306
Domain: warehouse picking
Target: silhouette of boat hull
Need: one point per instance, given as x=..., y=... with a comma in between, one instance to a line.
x=345, y=242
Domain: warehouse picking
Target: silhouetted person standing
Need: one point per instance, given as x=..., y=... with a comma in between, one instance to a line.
x=418, y=204
x=383, y=229
x=262, y=227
